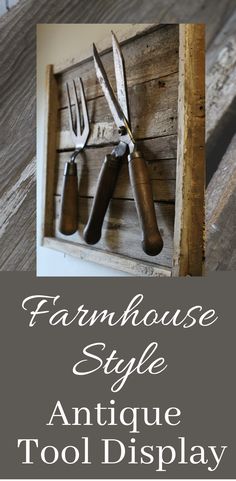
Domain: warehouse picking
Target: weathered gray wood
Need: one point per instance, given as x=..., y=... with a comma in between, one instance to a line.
x=221, y=126
x=153, y=107
x=221, y=214
x=106, y=259
x=16, y=216
x=88, y=171
x=162, y=171
x=221, y=74
x=21, y=220
x=17, y=78
x=150, y=56
x=121, y=232
x=50, y=146
x=221, y=98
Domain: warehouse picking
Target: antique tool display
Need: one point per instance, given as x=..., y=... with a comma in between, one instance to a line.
x=68, y=223
x=138, y=172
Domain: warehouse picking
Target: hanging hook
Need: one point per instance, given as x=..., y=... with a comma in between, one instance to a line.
x=74, y=155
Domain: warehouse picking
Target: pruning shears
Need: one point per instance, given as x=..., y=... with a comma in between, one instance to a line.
x=138, y=172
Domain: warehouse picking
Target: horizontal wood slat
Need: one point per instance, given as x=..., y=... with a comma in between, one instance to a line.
x=153, y=107
x=221, y=75
x=151, y=62
x=162, y=171
x=116, y=261
x=221, y=214
x=147, y=57
x=121, y=232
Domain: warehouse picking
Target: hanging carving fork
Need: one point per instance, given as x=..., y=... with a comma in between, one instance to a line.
x=69, y=200
x=138, y=172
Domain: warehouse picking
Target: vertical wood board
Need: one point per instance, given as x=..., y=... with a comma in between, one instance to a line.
x=190, y=181
x=50, y=155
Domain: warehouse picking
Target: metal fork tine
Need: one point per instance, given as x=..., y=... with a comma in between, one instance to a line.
x=69, y=110
x=77, y=111
x=84, y=110
x=79, y=139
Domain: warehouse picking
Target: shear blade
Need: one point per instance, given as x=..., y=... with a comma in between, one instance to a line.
x=121, y=86
x=113, y=103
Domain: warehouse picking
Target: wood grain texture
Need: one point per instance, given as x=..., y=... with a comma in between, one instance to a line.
x=121, y=232
x=221, y=113
x=158, y=53
x=50, y=151
x=221, y=75
x=153, y=104
x=111, y=260
x=162, y=174
x=221, y=98
x=156, y=95
x=17, y=82
x=17, y=208
x=189, y=216
x=221, y=214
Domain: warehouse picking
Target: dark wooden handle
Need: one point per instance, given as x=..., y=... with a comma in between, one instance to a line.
x=69, y=200
x=152, y=242
x=105, y=188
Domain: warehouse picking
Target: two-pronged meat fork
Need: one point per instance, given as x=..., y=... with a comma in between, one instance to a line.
x=138, y=172
x=69, y=200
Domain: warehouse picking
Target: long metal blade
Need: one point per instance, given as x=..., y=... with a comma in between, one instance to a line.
x=120, y=76
x=114, y=106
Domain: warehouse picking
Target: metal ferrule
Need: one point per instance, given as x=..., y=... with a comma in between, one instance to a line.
x=133, y=155
x=70, y=168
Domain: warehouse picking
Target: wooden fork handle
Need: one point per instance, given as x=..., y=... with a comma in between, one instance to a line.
x=104, y=191
x=152, y=242
x=68, y=223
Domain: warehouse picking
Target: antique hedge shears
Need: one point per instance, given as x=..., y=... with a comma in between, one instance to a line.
x=138, y=172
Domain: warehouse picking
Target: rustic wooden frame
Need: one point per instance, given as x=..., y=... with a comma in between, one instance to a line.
x=190, y=179
x=189, y=221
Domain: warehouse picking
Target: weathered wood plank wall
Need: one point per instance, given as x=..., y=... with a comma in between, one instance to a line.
x=221, y=150
x=18, y=102
x=220, y=84
x=221, y=214
x=151, y=62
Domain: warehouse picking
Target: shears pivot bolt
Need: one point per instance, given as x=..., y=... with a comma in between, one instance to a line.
x=122, y=130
